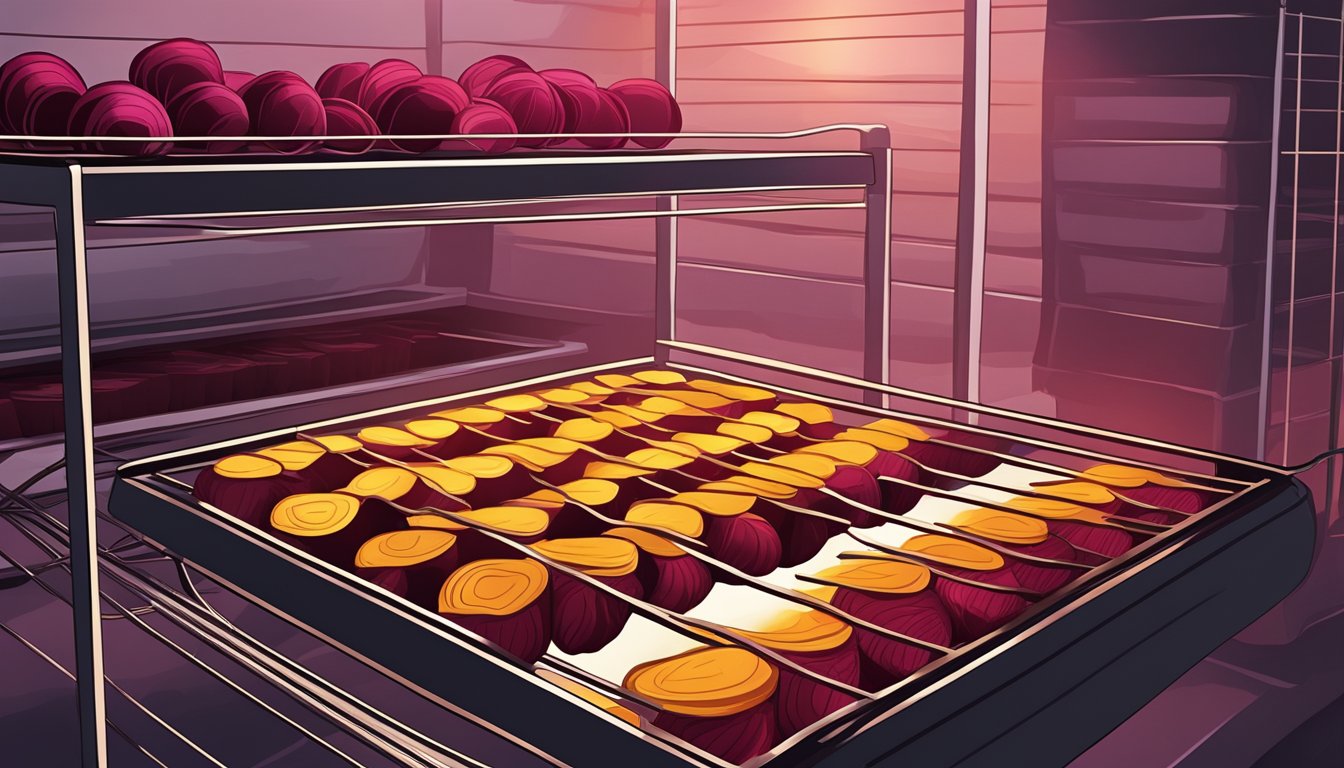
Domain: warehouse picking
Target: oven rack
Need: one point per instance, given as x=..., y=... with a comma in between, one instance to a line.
x=217, y=646
x=1263, y=498
x=84, y=192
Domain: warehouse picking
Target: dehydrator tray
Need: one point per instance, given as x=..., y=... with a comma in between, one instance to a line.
x=1036, y=691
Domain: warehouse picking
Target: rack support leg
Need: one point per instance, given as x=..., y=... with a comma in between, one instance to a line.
x=877, y=267
x=72, y=280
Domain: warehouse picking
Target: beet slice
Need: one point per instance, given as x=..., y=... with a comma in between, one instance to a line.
x=478, y=77
x=320, y=465
x=531, y=101
x=651, y=108
x=819, y=643
x=248, y=486
x=721, y=700
x=506, y=601
x=120, y=109
x=332, y=526
x=346, y=118
x=342, y=81
x=478, y=535
x=381, y=79
x=37, y=93
x=424, y=557
x=897, y=596
x=425, y=106
x=208, y=108
x=672, y=579
x=485, y=116
x=586, y=619
x=281, y=103
x=166, y=67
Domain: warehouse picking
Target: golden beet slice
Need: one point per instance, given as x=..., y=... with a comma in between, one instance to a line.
x=505, y=601
x=719, y=699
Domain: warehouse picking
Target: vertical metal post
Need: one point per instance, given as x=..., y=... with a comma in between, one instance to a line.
x=665, y=229
x=1267, y=321
x=972, y=203
x=72, y=280
x=434, y=37
x=877, y=266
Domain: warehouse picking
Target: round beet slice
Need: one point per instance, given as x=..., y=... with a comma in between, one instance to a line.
x=208, y=108
x=342, y=81
x=652, y=109
x=120, y=109
x=166, y=67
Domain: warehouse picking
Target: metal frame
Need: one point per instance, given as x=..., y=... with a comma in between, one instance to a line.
x=1180, y=593
x=112, y=188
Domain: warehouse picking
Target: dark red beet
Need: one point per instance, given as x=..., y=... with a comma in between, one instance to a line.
x=120, y=109
x=338, y=543
x=953, y=458
x=37, y=92
x=532, y=103
x=423, y=558
x=485, y=116
x=976, y=612
x=578, y=95
x=586, y=620
x=921, y=615
x=247, y=487
x=209, y=109
x=611, y=118
x=505, y=601
x=651, y=109
x=802, y=700
x=671, y=579
x=477, y=78
x=821, y=644
x=342, y=81
x=282, y=104
x=345, y=118
x=164, y=68
x=735, y=738
x=425, y=106
x=380, y=81
x=746, y=542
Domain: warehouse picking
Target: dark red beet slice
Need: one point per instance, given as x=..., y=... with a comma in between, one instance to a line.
x=651, y=109
x=381, y=79
x=486, y=117
x=281, y=104
x=746, y=542
x=342, y=81
x=506, y=601
x=120, y=109
x=425, y=106
x=532, y=103
x=208, y=109
x=166, y=67
x=346, y=118
x=478, y=77
x=37, y=93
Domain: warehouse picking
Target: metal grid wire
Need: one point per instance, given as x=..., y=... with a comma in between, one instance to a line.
x=164, y=605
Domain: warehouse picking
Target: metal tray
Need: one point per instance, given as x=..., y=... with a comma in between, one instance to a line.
x=1037, y=692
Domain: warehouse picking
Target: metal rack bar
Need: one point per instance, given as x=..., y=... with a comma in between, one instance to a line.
x=973, y=184
x=665, y=232
x=72, y=279
x=987, y=410
x=877, y=265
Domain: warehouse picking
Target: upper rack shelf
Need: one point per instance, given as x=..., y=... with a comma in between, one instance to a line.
x=116, y=188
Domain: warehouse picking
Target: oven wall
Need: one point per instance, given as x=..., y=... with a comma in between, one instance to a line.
x=788, y=65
